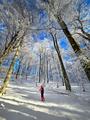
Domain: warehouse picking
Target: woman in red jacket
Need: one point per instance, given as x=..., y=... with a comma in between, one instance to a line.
x=42, y=93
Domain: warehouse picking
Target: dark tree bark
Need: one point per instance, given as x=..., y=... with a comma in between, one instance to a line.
x=66, y=79
x=51, y=74
x=64, y=27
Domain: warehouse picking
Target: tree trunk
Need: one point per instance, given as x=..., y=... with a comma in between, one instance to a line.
x=47, y=72
x=51, y=74
x=55, y=67
x=60, y=73
x=63, y=25
x=66, y=80
x=44, y=68
x=40, y=69
x=9, y=73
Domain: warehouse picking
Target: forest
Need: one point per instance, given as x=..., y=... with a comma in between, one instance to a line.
x=44, y=44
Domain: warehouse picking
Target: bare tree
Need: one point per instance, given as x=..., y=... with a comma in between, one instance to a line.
x=81, y=20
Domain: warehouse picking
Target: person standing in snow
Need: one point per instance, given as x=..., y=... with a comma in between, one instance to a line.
x=42, y=93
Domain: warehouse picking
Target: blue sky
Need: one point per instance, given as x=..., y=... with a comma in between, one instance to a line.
x=87, y=1
x=64, y=43
x=41, y=36
x=2, y=26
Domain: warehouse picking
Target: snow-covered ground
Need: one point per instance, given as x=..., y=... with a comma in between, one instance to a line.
x=22, y=102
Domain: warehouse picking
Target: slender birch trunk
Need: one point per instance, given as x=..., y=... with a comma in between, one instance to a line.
x=40, y=69
x=47, y=72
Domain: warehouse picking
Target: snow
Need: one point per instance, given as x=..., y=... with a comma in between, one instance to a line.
x=22, y=102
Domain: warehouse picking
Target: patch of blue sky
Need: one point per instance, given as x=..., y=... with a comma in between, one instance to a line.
x=43, y=16
x=43, y=13
x=2, y=26
x=52, y=46
x=6, y=63
x=64, y=43
x=41, y=36
x=85, y=6
x=33, y=70
x=87, y=1
x=10, y=1
x=82, y=45
x=67, y=58
x=1, y=1
x=87, y=28
x=34, y=36
x=2, y=29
